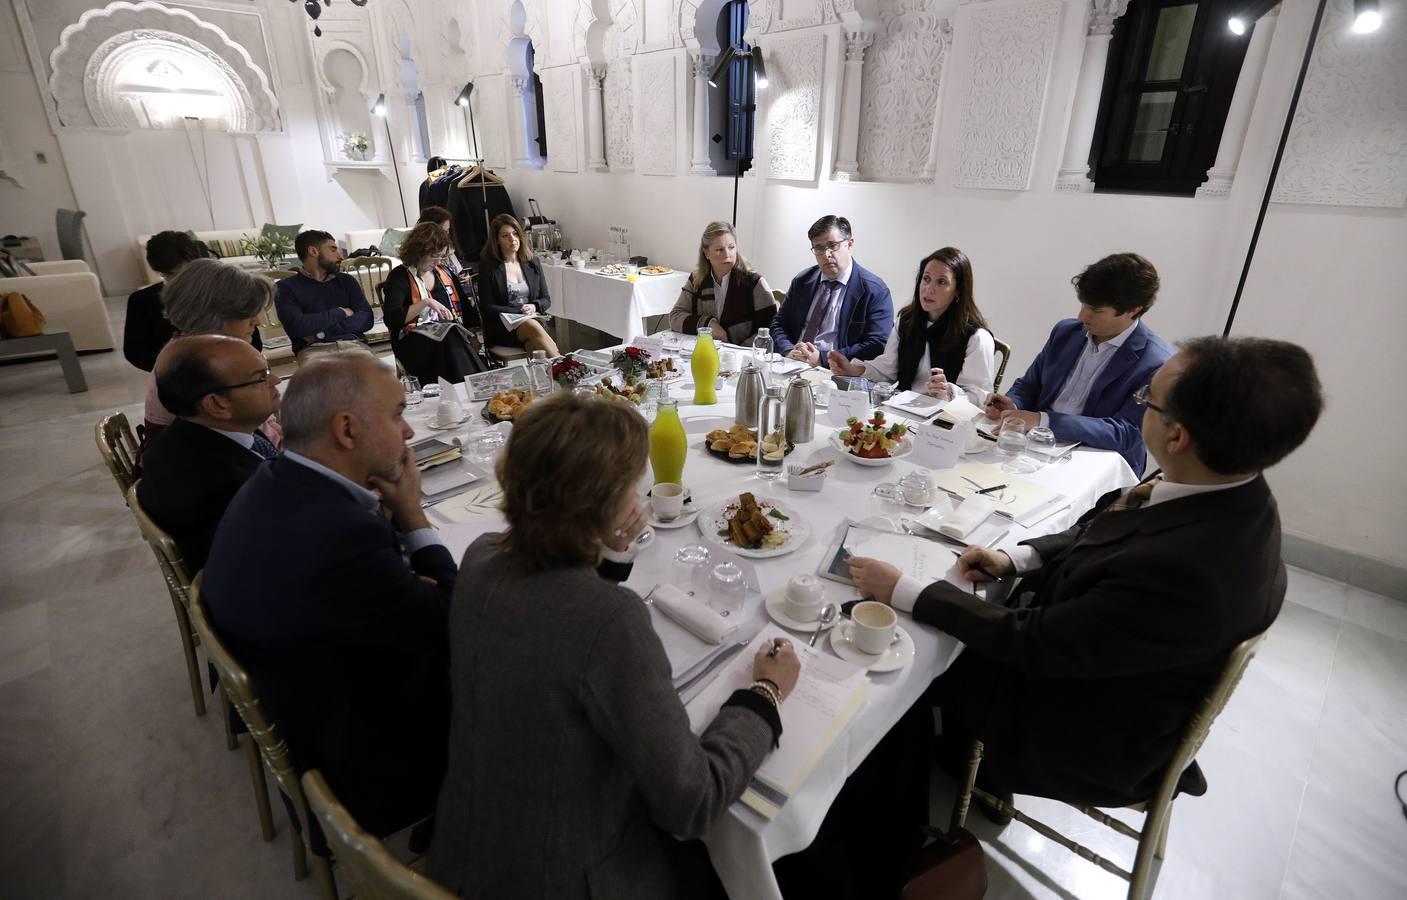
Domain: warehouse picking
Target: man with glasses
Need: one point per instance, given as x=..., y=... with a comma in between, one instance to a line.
x=1081, y=383
x=221, y=390
x=836, y=304
x=322, y=309
x=1083, y=682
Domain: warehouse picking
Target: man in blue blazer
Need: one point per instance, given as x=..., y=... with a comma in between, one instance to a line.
x=332, y=589
x=1081, y=384
x=836, y=304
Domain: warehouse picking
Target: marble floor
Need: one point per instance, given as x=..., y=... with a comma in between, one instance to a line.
x=110, y=787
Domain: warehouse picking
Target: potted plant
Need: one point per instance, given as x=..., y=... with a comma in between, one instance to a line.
x=355, y=145
x=270, y=249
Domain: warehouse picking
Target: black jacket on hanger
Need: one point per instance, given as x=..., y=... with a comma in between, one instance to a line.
x=466, y=209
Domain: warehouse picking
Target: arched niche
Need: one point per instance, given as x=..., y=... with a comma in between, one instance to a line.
x=345, y=80
x=103, y=42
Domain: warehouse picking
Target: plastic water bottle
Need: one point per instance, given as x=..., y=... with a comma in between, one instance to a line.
x=762, y=349
x=540, y=373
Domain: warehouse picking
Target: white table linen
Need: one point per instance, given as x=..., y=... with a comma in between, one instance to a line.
x=609, y=303
x=743, y=845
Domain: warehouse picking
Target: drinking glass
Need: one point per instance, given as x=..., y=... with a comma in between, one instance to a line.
x=412, y=391
x=691, y=568
x=1040, y=445
x=1011, y=443
x=726, y=588
x=484, y=446
x=880, y=393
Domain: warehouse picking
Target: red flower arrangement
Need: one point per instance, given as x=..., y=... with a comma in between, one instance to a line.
x=568, y=372
x=632, y=361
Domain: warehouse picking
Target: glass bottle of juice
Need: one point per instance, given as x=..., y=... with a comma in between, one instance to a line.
x=668, y=444
x=704, y=367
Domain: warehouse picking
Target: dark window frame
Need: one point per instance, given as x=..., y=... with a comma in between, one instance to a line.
x=1211, y=67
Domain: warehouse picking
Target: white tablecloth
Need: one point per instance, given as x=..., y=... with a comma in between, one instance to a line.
x=610, y=303
x=742, y=844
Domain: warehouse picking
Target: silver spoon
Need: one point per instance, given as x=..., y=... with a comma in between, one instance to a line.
x=827, y=616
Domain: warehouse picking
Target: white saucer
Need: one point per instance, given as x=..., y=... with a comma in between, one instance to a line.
x=776, y=608
x=690, y=513
x=899, y=654
x=645, y=538
x=435, y=426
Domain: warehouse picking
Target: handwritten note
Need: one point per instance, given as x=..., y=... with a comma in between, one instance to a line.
x=937, y=448
x=845, y=404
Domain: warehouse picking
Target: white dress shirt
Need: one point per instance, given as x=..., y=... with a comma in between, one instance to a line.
x=1093, y=360
x=243, y=438
x=417, y=539
x=979, y=365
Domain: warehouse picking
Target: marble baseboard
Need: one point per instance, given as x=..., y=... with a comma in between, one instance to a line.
x=1357, y=569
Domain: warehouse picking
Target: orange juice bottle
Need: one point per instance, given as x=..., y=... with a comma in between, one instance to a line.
x=704, y=367
x=668, y=444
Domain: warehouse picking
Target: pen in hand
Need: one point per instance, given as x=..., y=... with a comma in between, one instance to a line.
x=776, y=648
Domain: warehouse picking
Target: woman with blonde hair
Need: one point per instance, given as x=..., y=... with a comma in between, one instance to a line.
x=723, y=292
x=422, y=303
x=511, y=283
x=572, y=766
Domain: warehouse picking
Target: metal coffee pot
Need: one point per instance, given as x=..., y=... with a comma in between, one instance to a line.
x=750, y=391
x=800, y=407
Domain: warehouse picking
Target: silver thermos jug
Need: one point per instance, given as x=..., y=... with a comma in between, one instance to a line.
x=800, y=411
x=750, y=391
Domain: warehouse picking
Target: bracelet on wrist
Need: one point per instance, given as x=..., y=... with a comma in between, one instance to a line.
x=764, y=689
x=776, y=688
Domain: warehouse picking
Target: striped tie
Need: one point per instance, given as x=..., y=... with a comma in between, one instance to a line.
x=1135, y=496
x=819, y=310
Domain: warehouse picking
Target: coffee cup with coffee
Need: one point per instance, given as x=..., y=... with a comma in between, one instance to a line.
x=667, y=501
x=804, y=598
x=872, y=627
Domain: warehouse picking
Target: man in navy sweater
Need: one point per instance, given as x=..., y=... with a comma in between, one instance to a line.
x=322, y=309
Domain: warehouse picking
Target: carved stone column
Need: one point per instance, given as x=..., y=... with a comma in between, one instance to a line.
x=1074, y=170
x=532, y=156
x=847, y=162
x=595, y=130
x=699, y=164
x=1238, y=116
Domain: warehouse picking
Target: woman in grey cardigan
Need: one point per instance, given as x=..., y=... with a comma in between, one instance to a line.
x=571, y=761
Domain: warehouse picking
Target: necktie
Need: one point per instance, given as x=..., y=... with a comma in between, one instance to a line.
x=1135, y=496
x=819, y=310
x=263, y=446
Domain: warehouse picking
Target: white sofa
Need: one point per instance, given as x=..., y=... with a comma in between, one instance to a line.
x=69, y=296
x=232, y=234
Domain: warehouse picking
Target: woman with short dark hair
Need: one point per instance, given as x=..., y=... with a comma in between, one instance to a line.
x=146, y=330
x=572, y=766
x=511, y=283
x=422, y=303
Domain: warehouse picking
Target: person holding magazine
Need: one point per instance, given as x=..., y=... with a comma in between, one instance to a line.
x=512, y=290
x=425, y=311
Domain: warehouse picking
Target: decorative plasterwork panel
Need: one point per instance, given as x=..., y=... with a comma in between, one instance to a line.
x=1008, y=50
x=786, y=15
x=1348, y=146
x=71, y=60
x=903, y=78
x=657, y=118
x=620, y=119
x=623, y=36
x=794, y=105
x=560, y=107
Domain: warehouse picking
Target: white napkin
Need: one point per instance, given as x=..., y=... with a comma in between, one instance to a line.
x=970, y=513
x=700, y=621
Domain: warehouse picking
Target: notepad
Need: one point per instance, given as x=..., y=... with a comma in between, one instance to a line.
x=827, y=696
x=1023, y=501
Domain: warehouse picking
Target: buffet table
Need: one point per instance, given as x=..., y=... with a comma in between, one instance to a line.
x=743, y=844
x=609, y=303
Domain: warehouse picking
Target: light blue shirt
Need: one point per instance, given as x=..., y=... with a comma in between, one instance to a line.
x=415, y=540
x=1094, y=358
x=830, y=326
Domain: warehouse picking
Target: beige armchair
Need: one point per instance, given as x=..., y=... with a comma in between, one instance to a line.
x=69, y=296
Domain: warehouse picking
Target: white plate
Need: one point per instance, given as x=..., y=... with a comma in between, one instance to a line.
x=899, y=654
x=776, y=608
x=711, y=521
x=434, y=426
x=906, y=446
x=645, y=538
x=687, y=517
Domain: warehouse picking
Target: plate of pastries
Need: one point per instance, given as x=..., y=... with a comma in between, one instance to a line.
x=655, y=270
x=504, y=405
x=739, y=443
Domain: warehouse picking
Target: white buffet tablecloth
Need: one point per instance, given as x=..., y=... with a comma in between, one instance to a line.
x=609, y=303
x=743, y=845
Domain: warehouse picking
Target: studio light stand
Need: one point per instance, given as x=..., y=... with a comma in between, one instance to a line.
x=379, y=109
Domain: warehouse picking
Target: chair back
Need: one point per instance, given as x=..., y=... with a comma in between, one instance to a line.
x=168, y=554
x=375, y=874
x=779, y=296
x=240, y=689
x=69, y=224
x=1201, y=722
x=118, y=447
x=1003, y=348
x=370, y=272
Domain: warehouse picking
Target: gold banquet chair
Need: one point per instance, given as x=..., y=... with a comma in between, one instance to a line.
x=375, y=874
x=178, y=583
x=1004, y=349
x=1153, y=837
x=118, y=447
x=371, y=273
x=265, y=733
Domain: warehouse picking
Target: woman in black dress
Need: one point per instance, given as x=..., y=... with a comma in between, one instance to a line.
x=422, y=301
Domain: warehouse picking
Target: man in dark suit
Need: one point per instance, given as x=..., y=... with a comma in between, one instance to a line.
x=1081, y=384
x=221, y=390
x=836, y=304
x=331, y=587
x=1083, y=683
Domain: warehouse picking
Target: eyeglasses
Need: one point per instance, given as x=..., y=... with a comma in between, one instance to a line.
x=1140, y=397
x=262, y=379
x=828, y=247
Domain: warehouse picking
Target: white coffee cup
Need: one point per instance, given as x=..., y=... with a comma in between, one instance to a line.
x=448, y=412
x=822, y=391
x=804, y=598
x=667, y=501
x=872, y=626
x=728, y=361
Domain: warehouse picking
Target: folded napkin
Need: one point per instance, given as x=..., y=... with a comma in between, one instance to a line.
x=694, y=616
x=971, y=513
